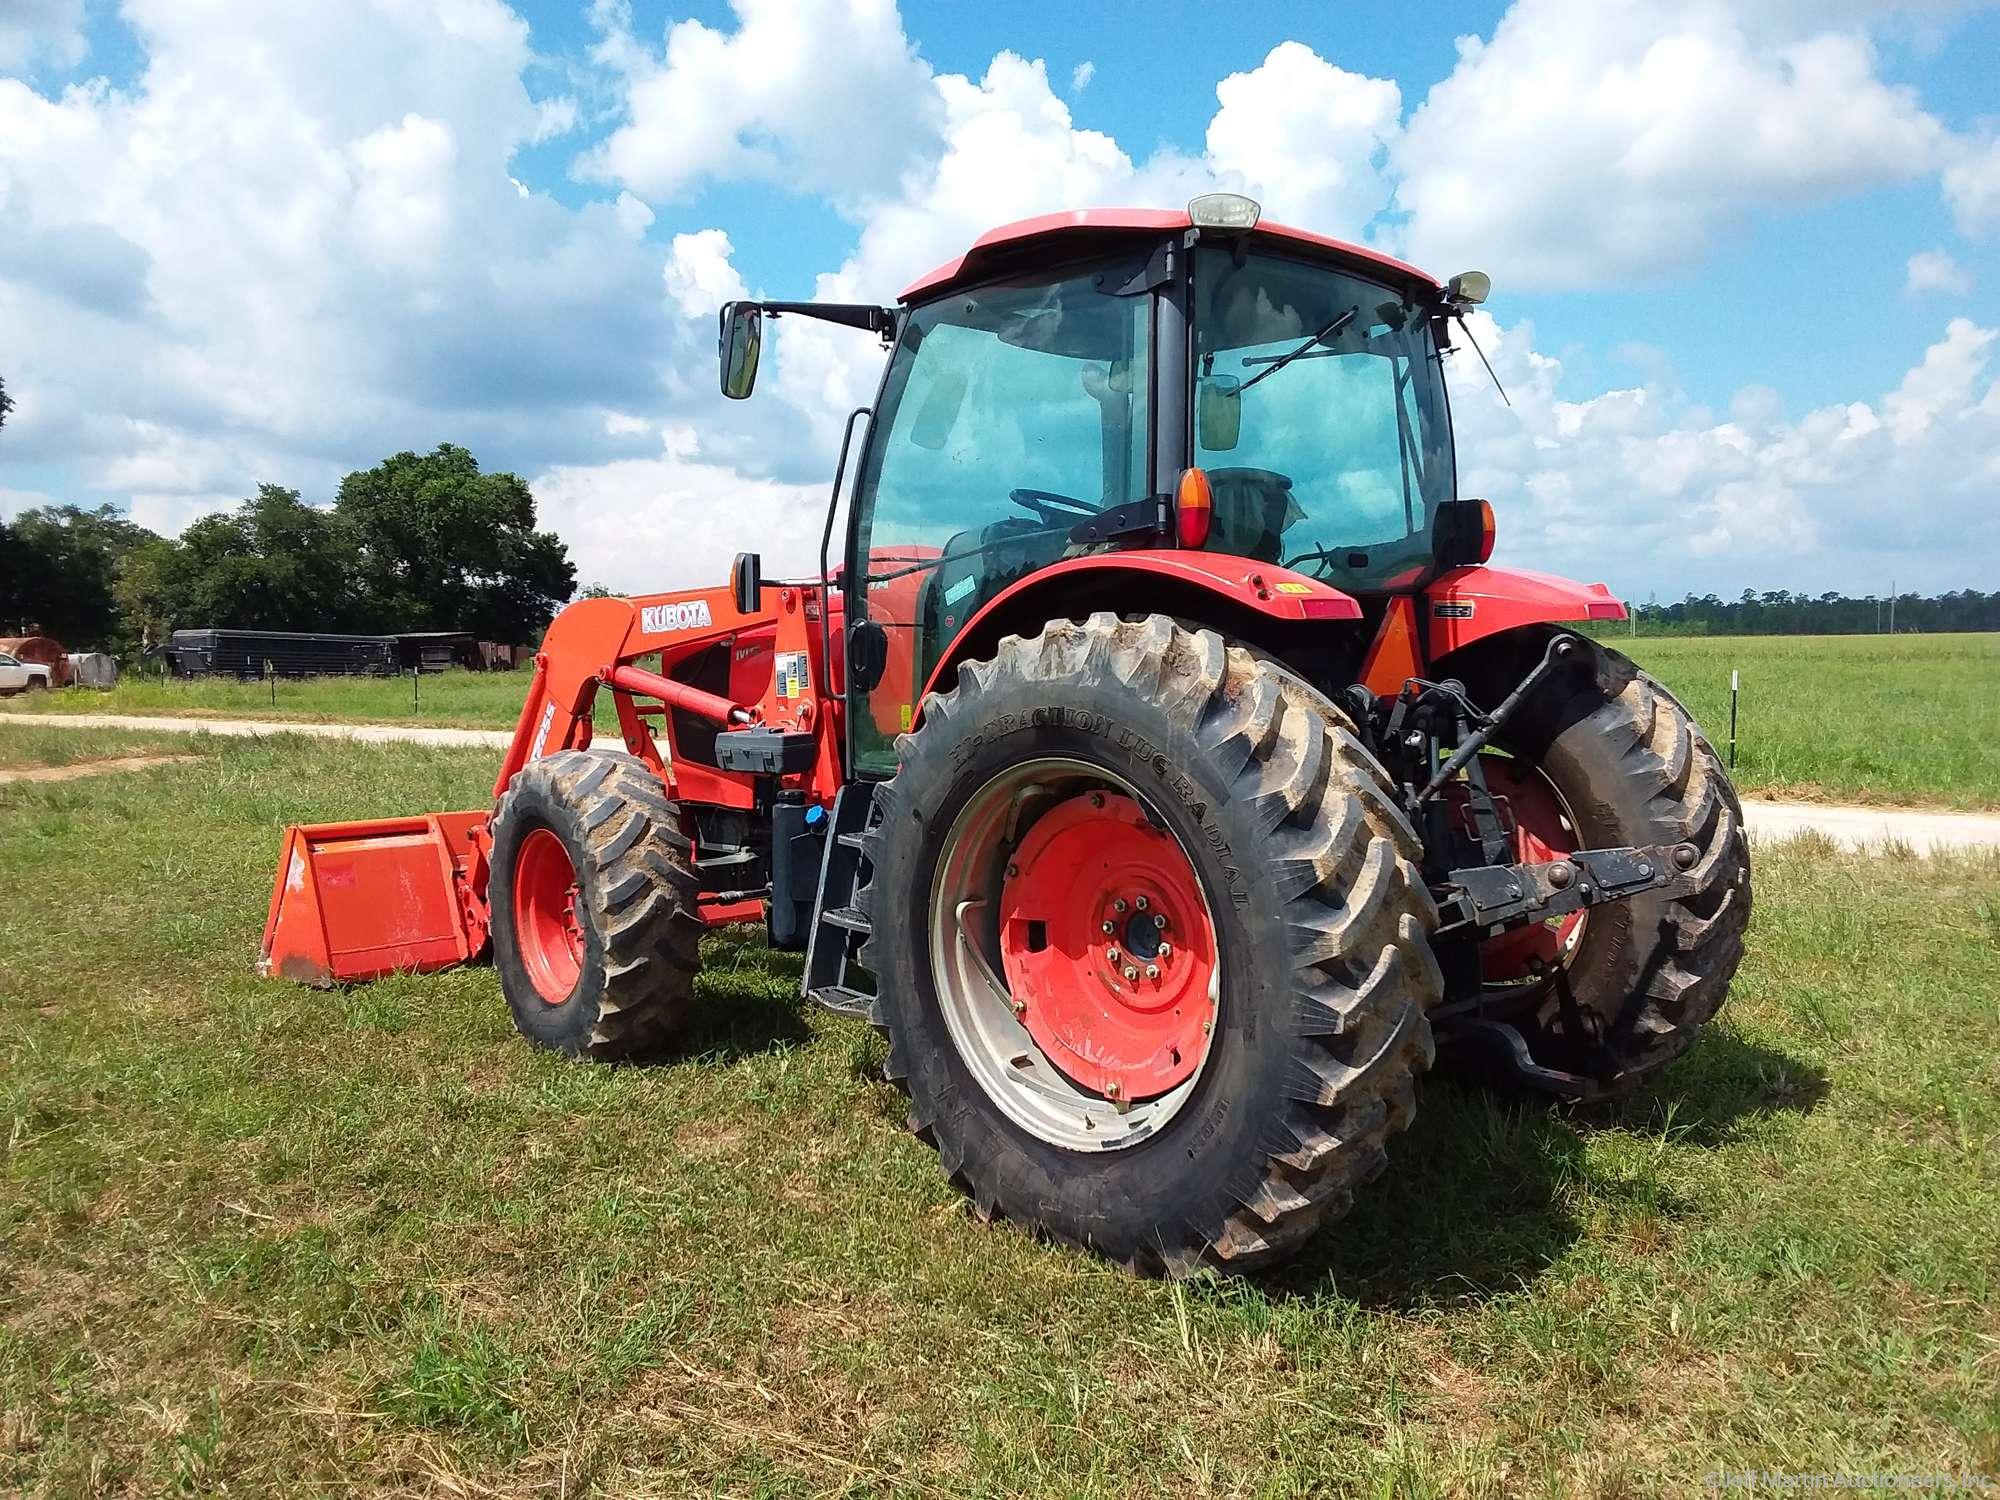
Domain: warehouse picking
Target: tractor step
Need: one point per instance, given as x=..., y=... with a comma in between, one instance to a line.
x=831, y=972
x=844, y=1002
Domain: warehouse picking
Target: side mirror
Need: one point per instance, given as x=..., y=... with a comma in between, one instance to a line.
x=1468, y=288
x=1218, y=412
x=746, y=581
x=741, y=342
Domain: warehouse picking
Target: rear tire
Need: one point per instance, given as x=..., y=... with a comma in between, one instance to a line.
x=1633, y=768
x=1319, y=915
x=605, y=971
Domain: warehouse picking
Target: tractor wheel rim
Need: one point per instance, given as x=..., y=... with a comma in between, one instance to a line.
x=548, y=928
x=1544, y=829
x=1079, y=1047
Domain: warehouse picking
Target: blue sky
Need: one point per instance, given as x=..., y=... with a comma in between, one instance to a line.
x=1746, y=256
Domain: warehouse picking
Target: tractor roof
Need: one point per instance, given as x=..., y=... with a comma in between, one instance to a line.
x=1016, y=243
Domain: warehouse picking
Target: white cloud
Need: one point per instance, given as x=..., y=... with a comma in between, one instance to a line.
x=1935, y=271
x=1308, y=137
x=553, y=117
x=826, y=96
x=42, y=31
x=674, y=522
x=283, y=251
x=698, y=275
x=403, y=181
x=1080, y=76
x=1972, y=186
x=1586, y=140
x=1644, y=489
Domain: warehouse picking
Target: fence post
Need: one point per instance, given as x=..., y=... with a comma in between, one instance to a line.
x=1734, y=683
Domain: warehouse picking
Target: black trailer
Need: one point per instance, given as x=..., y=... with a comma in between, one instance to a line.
x=438, y=650
x=253, y=653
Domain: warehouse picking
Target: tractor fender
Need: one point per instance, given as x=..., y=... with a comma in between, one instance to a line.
x=1468, y=604
x=1209, y=588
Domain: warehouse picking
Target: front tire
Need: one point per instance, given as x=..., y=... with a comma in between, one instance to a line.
x=595, y=931
x=1206, y=759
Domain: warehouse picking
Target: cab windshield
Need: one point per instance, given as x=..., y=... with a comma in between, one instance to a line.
x=1320, y=419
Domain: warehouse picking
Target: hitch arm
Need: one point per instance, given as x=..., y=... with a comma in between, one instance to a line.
x=1559, y=650
x=1486, y=898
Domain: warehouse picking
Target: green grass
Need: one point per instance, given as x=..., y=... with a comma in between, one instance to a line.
x=258, y=1239
x=455, y=700
x=1855, y=718
x=1909, y=719
x=34, y=746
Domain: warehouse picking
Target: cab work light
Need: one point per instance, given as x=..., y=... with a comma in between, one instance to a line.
x=1224, y=211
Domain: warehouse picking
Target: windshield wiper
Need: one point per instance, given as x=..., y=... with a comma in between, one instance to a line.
x=1284, y=359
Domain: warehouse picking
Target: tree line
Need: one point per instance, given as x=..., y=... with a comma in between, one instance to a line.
x=1778, y=612
x=419, y=542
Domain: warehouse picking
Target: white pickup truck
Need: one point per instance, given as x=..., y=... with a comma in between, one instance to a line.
x=18, y=676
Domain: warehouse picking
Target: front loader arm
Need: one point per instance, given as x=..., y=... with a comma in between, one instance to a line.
x=356, y=901
x=598, y=643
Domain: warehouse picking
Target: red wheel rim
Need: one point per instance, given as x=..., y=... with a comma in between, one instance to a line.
x=1127, y=1011
x=548, y=930
x=1541, y=831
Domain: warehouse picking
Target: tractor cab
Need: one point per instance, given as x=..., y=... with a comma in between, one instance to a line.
x=1134, y=380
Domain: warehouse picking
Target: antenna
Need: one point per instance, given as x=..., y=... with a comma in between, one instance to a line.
x=1482, y=356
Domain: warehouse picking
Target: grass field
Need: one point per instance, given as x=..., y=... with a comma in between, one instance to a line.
x=260, y=1239
x=1857, y=718
x=1897, y=719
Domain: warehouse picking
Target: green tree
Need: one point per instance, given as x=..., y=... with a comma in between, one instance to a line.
x=445, y=547
x=275, y=563
x=6, y=403
x=58, y=566
x=142, y=594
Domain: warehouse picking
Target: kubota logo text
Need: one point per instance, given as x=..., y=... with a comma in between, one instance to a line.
x=657, y=619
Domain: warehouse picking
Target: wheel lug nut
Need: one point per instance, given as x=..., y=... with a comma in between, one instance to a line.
x=1166, y=950
x=1152, y=971
x=1140, y=902
x=1119, y=905
x=1130, y=973
x=1111, y=955
x=1109, y=928
x=1097, y=799
x=1160, y=920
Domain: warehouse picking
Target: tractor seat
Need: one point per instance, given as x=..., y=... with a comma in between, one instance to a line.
x=957, y=590
x=1253, y=508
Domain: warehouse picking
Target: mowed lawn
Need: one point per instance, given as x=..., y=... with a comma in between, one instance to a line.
x=260, y=1239
x=1894, y=719
x=1850, y=718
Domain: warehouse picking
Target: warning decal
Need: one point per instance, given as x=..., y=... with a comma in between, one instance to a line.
x=793, y=678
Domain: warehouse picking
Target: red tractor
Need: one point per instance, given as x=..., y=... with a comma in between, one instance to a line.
x=1161, y=768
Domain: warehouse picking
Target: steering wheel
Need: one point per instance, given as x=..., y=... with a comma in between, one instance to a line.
x=1048, y=506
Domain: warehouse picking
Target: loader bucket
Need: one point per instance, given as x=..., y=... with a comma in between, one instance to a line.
x=360, y=900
